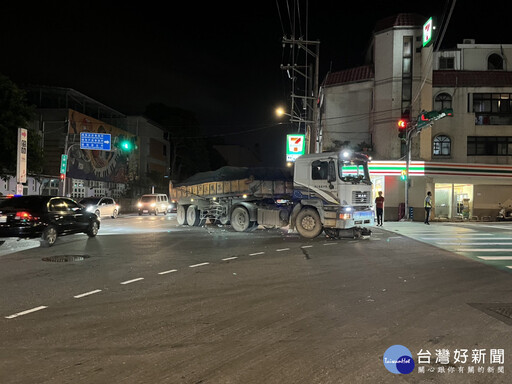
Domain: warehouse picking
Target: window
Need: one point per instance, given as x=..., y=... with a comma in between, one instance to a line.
x=442, y=145
x=319, y=170
x=407, y=67
x=492, y=108
x=442, y=101
x=489, y=146
x=446, y=63
x=495, y=62
x=58, y=205
x=71, y=205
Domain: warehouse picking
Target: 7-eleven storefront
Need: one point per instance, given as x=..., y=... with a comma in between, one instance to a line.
x=460, y=191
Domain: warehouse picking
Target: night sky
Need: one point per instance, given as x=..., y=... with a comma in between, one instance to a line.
x=220, y=60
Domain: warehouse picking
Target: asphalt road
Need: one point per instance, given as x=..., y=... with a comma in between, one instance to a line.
x=147, y=301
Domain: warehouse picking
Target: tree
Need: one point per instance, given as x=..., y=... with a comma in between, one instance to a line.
x=16, y=113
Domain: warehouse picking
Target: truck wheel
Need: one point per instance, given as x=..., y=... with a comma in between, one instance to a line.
x=181, y=214
x=308, y=223
x=240, y=220
x=192, y=215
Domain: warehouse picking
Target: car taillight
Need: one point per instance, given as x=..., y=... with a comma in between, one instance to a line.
x=23, y=215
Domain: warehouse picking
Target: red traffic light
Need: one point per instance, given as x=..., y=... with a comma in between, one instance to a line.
x=62, y=176
x=402, y=124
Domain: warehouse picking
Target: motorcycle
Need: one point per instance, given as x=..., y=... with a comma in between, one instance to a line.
x=505, y=213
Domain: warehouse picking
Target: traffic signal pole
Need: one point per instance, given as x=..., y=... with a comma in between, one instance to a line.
x=424, y=120
x=408, y=137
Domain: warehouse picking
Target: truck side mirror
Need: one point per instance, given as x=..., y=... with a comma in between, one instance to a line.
x=331, y=173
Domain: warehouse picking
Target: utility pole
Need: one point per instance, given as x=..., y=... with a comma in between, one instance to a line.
x=304, y=93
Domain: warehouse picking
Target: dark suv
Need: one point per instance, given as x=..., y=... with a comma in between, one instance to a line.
x=46, y=217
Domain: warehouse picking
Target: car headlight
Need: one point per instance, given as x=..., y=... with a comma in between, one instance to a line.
x=89, y=208
x=153, y=205
x=139, y=205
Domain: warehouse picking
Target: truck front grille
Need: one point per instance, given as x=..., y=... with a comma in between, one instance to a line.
x=360, y=197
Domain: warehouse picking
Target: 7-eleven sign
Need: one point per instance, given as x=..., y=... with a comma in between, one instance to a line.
x=428, y=32
x=295, y=146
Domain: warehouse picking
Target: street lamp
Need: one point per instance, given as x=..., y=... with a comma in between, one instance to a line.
x=280, y=112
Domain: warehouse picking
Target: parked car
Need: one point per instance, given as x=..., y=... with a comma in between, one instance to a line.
x=153, y=203
x=101, y=206
x=46, y=217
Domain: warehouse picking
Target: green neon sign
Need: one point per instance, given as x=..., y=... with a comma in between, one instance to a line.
x=428, y=32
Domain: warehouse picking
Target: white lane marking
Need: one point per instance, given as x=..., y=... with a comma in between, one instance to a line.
x=455, y=238
x=132, y=281
x=282, y=249
x=330, y=243
x=26, y=312
x=257, y=253
x=464, y=240
x=230, y=258
x=495, y=258
x=395, y=237
x=198, y=265
x=307, y=246
x=169, y=271
x=509, y=266
x=463, y=243
x=484, y=250
x=87, y=294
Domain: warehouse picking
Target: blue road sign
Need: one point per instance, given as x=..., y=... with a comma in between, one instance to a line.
x=95, y=141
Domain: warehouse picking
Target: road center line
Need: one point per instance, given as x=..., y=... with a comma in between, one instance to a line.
x=87, y=294
x=282, y=249
x=230, y=258
x=256, y=253
x=198, y=265
x=26, y=312
x=132, y=281
x=169, y=271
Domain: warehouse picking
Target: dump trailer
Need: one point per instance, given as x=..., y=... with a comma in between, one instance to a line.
x=329, y=192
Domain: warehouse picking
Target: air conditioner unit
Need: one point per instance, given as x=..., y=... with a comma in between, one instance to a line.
x=468, y=41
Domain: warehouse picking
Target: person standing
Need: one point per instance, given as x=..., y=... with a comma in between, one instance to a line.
x=379, y=204
x=428, y=206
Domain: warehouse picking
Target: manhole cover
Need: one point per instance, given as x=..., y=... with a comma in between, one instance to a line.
x=65, y=258
x=500, y=311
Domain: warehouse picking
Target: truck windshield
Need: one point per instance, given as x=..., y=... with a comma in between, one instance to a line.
x=354, y=171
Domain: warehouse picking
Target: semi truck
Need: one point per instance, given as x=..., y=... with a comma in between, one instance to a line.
x=329, y=192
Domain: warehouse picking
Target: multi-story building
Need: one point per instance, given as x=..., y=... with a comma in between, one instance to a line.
x=465, y=160
x=62, y=114
x=154, y=152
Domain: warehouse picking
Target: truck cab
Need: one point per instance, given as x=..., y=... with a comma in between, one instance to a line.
x=336, y=186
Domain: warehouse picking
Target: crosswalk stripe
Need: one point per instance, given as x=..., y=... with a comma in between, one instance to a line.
x=484, y=250
x=459, y=238
x=463, y=243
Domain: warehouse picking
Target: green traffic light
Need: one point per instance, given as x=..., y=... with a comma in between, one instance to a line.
x=126, y=145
